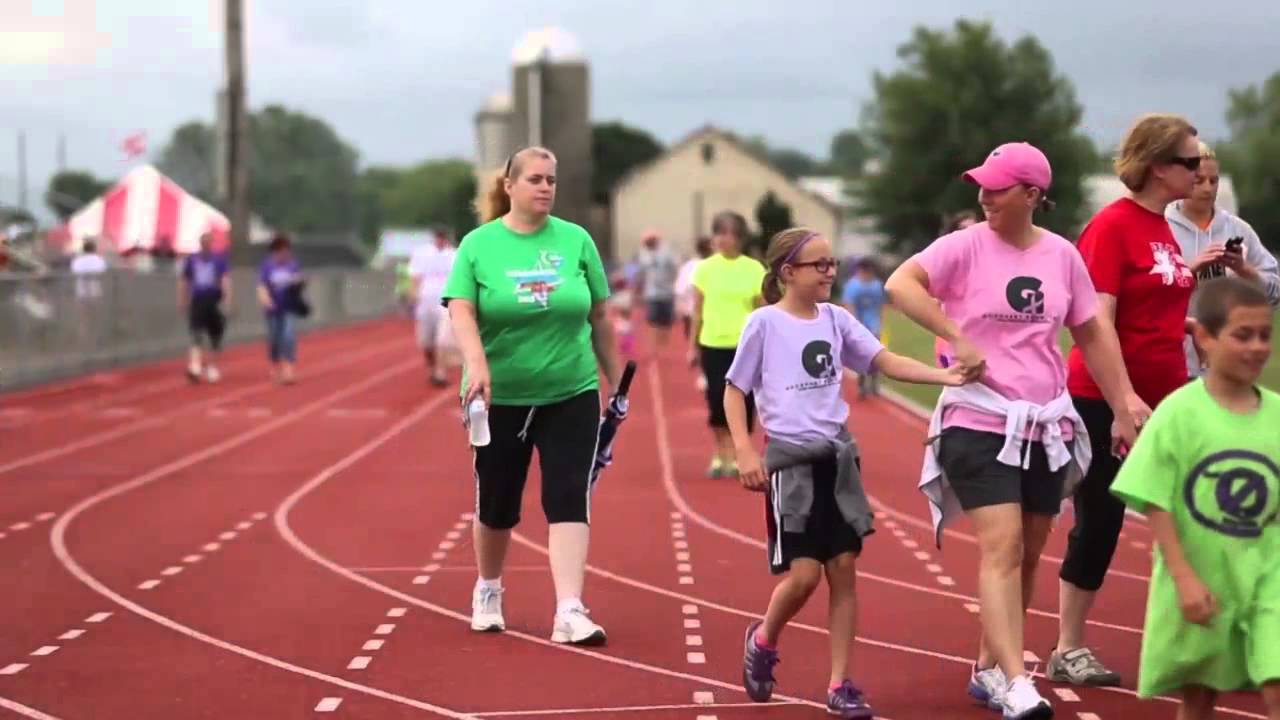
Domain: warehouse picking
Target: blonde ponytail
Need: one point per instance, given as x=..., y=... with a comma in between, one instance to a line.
x=494, y=203
x=771, y=287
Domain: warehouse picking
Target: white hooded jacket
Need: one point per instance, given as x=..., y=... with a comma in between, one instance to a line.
x=1193, y=241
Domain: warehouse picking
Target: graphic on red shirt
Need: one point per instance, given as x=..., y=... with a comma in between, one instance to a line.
x=1167, y=262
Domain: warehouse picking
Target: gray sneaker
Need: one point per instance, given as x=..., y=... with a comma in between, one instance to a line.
x=1080, y=667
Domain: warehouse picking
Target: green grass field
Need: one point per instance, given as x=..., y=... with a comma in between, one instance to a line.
x=906, y=338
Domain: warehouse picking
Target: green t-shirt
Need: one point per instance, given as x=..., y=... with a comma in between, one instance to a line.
x=1218, y=474
x=729, y=290
x=532, y=295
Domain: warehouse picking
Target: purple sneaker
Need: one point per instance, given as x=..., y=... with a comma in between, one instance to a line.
x=848, y=702
x=757, y=667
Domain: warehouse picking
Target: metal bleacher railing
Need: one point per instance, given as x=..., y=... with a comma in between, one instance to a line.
x=55, y=325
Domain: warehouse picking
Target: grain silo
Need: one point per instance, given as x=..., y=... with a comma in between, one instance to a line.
x=551, y=106
x=494, y=142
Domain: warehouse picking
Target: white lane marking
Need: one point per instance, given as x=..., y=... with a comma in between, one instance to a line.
x=13, y=669
x=684, y=567
x=422, y=580
x=46, y=516
x=446, y=545
x=973, y=607
x=244, y=525
x=148, y=585
x=438, y=555
x=696, y=658
x=373, y=645
x=46, y=650
x=1094, y=716
x=1066, y=695
x=190, y=559
x=71, y=634
x=452, y=535
x=682, y=557
x=933, y=568
x=692, y=624
x=686, y=580
x=1029, y=656
x=704, y=697
x=97, y=617
x=910, y=544
x=433, y=567
x=172, y=570
x=228, y=535
x=397, y=612
x=211, y=547
x=689, y=609
x=359, y=663
x=922, y=555
x=19, y=526
x=328, y=704
x=945, y=580
x=23, y=710
x=682, y=545
x=675, y=515
x=259, y=516
x=386, y=629
x=677, y=534
x=693, y=640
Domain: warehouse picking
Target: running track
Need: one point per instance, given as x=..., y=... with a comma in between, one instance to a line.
x=250, y=551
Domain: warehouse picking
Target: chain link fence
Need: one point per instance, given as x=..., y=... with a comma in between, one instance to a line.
x=57, y=324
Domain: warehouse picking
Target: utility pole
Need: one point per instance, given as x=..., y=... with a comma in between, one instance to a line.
x=236, y=158
x=22, y=170
x=62, y=152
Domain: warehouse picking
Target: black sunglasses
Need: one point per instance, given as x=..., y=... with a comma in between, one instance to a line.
x=1190, y=163
x=823, y=265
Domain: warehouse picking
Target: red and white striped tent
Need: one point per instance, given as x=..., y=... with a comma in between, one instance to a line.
x=144, y=211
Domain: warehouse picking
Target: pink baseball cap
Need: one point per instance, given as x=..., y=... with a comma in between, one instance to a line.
x=1012, y=164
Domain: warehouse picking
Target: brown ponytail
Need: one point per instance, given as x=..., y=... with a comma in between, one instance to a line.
x=781, y=246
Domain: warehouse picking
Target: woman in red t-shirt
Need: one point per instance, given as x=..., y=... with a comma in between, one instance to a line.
x=1145, y=285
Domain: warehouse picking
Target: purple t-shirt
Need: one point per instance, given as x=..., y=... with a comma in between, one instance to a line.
x=1011, y=304
x=277, y=276
x=794, y=367
x=204, y=273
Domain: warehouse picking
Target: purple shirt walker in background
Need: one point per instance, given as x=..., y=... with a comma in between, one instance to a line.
x=277, y=276
x=203, y=273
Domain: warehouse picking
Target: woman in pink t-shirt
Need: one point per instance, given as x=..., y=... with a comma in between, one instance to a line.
x=1007, y=288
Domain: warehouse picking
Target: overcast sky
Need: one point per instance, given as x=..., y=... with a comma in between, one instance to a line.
x=400, y=79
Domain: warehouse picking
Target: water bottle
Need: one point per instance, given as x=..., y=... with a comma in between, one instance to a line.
x=478, y=422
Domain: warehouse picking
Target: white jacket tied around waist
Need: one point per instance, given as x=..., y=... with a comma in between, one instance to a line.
x=1021, y=417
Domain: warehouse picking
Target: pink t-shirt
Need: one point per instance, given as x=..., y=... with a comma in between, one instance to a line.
x=1012, y=304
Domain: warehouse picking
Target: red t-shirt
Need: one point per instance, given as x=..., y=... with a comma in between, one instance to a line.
x=1131, y=253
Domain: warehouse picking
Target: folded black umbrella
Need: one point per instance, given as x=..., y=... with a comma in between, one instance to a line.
x=615, y=412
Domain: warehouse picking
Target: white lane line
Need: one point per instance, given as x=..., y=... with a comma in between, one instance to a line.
x=228, y=535
x=148, y=585
x=452, y=535
x=24, y=710
x=328, y=704
x=693, y=640
x=71, y=634
x=172, y=570
x=97, y=617
x=692, y=624
x=689, y=609
x=1094, y=716
x=373, y=645
x=1029, y=656
x=686, y=580
x=933, y=568
x=46, y=650
x=974, y=608
x=684, y=568
x=397, y=612
x=446, y=545
x=211, y=547
x=386, y=629
x=704, y=697
x=13, y=669
x=244, y=525
x=696, y=658
x=1066, y=695
x=190, y=559
x=422, y=580
x=675, y=515
x=46, y=516
x=259, y=516
x=19, y=526
x=910, y=544
x=922, y=555
x=359, y=663
x=682, y=557
x=945, y=580
x=433, y=567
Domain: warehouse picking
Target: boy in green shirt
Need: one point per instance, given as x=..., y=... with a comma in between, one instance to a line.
x=1206, y=471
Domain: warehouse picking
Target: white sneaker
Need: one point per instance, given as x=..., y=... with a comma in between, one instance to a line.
x=486, y=610
x=212, y=375
x=576, y=628
x=988, y=686
x=1023, y=702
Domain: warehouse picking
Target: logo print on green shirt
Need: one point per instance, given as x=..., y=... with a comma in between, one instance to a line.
x=537, y=284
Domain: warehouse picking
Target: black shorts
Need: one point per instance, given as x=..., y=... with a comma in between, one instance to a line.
x=564, y=435
x=715, y=366
x=662, y=313
x=205, y=319
x=979, y=479
x=826, y=533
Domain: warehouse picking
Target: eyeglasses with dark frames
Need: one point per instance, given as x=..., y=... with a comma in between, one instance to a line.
x=822, y=265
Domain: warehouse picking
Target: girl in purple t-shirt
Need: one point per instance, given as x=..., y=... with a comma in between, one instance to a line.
x=792, y=356
x=278, y=281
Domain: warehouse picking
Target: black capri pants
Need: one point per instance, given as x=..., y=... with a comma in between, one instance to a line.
x=204, y=318
x=1099, y=514
x=564, y=434
x=715, y=366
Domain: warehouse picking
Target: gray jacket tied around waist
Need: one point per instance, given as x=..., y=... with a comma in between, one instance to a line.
x=793, y=467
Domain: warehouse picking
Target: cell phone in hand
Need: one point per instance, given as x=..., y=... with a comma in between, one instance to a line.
x=1235, y=245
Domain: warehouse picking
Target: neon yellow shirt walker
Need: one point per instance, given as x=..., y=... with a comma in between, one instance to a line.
x=532, y=294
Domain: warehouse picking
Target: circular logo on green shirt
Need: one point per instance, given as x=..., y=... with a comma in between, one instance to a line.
x=1234, y=492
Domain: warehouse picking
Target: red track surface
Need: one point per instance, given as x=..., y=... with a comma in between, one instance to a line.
x=263, y=552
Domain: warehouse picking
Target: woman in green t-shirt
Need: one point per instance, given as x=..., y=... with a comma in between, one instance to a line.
x=526, y=299
x=726, y=288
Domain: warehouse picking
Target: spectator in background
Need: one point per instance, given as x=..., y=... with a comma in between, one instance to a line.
x=657, y=281
x=204, y=288
x=1206, y=233
x=87, y=267
x=864, y=297
x=279, y=279
x=429, y=270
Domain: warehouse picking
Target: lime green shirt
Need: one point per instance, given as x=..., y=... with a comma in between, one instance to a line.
x=532, y=295
x=729, y=291
x=1218, y=474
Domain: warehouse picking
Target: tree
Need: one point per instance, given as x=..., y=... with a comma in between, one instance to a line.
x=615, y=150
x=795, y=163
x=190, y=159
x=302, y=175
x=436, y=192
x=71, y=190
x=773, y=216
x=849, y=154
x=961, y=94
x=1253, y=154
